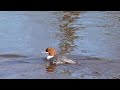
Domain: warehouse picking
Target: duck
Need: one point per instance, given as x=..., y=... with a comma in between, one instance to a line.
x=56, y=59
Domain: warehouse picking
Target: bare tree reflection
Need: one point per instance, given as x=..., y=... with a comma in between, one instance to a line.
x=68, y=31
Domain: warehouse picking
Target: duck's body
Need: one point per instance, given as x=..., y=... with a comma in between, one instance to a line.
x=56, y=59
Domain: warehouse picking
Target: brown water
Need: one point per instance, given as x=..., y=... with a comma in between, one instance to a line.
x=91, y=33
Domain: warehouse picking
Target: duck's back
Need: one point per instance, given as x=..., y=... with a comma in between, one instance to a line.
x=63, y=59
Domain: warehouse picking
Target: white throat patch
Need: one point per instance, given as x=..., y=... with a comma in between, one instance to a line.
x=49, y=57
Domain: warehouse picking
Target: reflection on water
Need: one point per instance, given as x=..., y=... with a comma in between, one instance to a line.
x=67, y=34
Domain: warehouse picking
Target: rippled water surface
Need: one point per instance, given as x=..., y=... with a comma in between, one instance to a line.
x=92, y=33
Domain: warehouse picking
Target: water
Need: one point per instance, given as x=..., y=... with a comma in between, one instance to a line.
x=91, y=33
x=26, y=33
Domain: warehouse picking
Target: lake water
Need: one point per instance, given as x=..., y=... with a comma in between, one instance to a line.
x=91, y=33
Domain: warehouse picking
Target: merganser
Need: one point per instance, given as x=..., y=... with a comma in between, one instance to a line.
x=55, y=59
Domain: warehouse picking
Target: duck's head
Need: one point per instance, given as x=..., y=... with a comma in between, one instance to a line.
x=51, y=52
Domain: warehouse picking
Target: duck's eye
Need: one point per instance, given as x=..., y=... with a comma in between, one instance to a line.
x=50, y=54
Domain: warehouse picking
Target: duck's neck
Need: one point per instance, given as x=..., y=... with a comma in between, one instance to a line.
x=49, y=57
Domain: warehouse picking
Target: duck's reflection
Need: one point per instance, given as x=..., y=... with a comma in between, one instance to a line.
x=67, y=32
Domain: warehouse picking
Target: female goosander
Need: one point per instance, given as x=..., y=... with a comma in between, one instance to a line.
x=56, y=59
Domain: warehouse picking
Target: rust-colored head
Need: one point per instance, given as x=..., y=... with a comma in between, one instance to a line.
x=51, y=51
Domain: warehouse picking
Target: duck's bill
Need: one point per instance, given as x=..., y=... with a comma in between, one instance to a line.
x=44, y=52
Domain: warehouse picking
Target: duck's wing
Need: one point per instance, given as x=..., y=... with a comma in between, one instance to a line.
x=69, y=61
